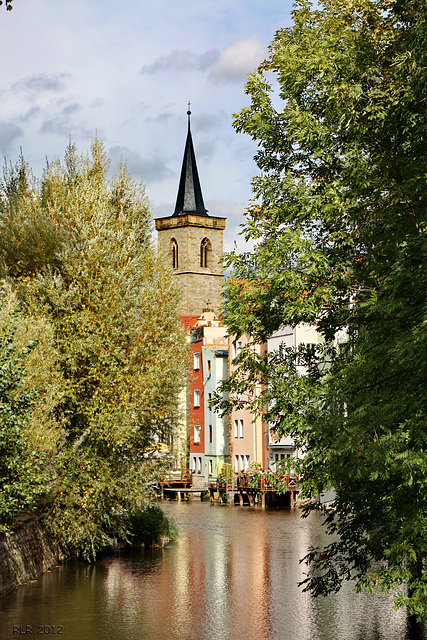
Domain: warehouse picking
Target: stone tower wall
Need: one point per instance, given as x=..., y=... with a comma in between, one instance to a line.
x=200, y=284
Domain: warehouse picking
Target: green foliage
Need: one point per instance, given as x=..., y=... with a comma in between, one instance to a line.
x=7, y=4
x=151, y=526
x=256, y=477
x=17, y=491
x=339, y=226
x=226, y=472
x=77, y=249
x=24, y=469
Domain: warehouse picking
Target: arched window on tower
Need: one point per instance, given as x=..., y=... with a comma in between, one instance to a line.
x=174, y=253
x=205, y=251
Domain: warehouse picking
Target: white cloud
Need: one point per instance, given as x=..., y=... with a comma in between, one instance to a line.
x=234, y=63
x=148, y=169
x=41, y=83
x=63, y=123
x=181, y=60
x=238, y=59
x=8, y=133
x=208, y=122
x=164, y=117
x=29, y=114
x=80, y=67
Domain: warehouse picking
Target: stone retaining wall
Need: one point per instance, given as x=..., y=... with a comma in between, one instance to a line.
x=26, y=554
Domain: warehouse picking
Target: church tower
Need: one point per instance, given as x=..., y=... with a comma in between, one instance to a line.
x=193, y=241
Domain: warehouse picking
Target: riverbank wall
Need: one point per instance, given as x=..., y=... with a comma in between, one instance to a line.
x=27, y=553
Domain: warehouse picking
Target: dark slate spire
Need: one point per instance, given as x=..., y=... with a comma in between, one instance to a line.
x=190, y=199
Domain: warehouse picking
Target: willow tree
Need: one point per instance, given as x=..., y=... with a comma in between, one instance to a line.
x=339, y=217
x=28, y=393
x=77, y=248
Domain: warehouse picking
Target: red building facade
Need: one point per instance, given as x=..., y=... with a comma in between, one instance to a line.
x=197, y=422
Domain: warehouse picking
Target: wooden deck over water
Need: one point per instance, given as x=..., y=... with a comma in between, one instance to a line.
x=251, y=488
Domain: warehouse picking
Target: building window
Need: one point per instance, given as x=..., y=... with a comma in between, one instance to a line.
x=236, y=348
x=236, y=428
x=199, y=466
x=197, y=431
x=196, y=361
x=248, y=462
x=194, y=465
x=210, y=433
x=242, y=462
x=204, y=253
x=242, y=430
x=210, y=467
x=236, y=463
x=197, y=398
x=174, y=252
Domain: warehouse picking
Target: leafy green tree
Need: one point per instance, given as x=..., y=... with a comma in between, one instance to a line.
x=339, y=227
x=78, y=250
x=24, y=456
x=7, y=4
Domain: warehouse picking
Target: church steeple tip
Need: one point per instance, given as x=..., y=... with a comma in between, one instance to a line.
x=189, y=199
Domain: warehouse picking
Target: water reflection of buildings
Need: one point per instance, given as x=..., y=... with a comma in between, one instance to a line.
x=251, y=584
x=210, y=582
x=234, y=574
x=222, y=585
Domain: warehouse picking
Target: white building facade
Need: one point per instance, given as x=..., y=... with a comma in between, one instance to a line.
x=283, y=448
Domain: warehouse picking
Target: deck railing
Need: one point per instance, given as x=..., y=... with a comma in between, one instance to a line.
x=265, y=480
x=180, y=476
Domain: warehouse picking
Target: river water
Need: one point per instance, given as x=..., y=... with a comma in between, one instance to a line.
x=232, y=574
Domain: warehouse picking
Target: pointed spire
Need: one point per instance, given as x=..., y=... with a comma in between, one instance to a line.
x=189, y=199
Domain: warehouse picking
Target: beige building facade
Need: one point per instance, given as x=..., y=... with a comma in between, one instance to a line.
x=248, y=436
x=193, y=246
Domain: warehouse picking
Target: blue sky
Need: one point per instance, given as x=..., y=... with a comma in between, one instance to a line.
x=127, y=69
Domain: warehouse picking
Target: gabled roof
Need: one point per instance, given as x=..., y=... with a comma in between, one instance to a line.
x=189, y=199
x=188, y=321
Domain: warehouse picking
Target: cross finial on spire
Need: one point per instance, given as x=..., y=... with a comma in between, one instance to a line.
x=189, y=113
x=189, y=199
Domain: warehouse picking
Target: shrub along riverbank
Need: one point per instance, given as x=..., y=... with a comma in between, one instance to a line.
x=29, y=551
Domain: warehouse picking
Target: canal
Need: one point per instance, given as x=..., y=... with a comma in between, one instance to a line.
x=232, y=574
